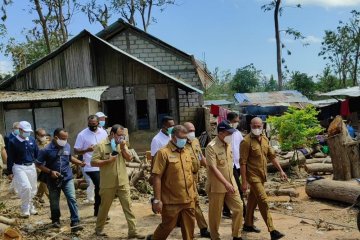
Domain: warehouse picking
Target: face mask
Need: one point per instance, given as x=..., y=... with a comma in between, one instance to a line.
x=180, y=143
x=92, y=128
x=101, y=123
x=191, y=136
x=256, y=131
x=235, y=125
x=26, y=134
x=16, y=132
x=61, y=143
x=228, y=139
x=42, y=139
x=113, y=144
x=169, y=130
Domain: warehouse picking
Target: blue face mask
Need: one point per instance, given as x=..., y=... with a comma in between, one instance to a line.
x=113, y=144
x=101, y=123
x=169, y=130
x=180, y=143
x=26, y=134
x=16, y=132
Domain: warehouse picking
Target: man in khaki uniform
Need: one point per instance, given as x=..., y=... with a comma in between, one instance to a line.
x=174, y=187
x=198, y=160
x=221, y=184
x=254, y=156
x=110, y=156
x=3, y=154
x=41, y=142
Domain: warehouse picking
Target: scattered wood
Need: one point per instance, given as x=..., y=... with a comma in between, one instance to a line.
x=291, y=192
x=7, y=221
x=319, y=167
x=341, y=191
x=137, y=165
x=285, y=164
x=9, y=233
x=136, y=177
x=318, y=160
x=319, y=155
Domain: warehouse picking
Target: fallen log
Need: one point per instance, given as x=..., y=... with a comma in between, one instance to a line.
x=318, y=160
x=282, y=192
x=136, y=177
x=341, y=191
x=285, y=164
x=319, y=167
x=7, y=221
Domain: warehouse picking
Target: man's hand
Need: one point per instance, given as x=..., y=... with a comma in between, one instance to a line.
x=229, y=187
x=158, y=207
x=55, y=174
x=283, y=176
x=90, y=148
x=10, y=177
x=122, y=144
x=82, y=164
x=244, y=187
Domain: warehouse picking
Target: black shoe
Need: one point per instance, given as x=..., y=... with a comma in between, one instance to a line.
x=251, y=229
x=204, y=233
x=237, y=238
x=148, y=237
x=56, y=224
x=276, y=235
x=226, y=215
x=75, y=227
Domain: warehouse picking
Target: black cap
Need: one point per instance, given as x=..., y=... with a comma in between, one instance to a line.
x=225, y=126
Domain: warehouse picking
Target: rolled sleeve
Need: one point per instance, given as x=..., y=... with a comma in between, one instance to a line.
x=210, y=156
x=79, y=143
x=271, y=154
x=41, y=159
x=244, y=153
x=160, y=162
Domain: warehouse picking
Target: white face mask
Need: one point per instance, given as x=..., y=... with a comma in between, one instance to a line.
x=191, y=136
x=42, y=139
x=256, y=131
x=61, y=143
x=235, y=125
x=228, y=139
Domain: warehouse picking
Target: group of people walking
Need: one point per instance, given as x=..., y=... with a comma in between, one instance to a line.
x=176, y=160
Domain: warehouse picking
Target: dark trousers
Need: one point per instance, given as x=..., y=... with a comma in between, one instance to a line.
x=236, y=172
x=95, y=178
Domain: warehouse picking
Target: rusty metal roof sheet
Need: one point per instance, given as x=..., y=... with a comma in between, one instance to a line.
x=93, y=93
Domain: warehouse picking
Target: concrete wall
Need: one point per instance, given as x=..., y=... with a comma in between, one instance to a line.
x=75, y=114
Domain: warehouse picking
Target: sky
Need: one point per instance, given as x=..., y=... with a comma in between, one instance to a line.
x=227, y=34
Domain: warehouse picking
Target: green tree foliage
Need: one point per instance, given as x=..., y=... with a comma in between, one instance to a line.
x=342, y=49
x=296, y=129
x=269, y=85
x=327, y=81
x=221, y=87
x=246, y=79
x=303, y=83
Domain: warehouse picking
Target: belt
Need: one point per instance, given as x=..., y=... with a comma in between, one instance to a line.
x=24, y=164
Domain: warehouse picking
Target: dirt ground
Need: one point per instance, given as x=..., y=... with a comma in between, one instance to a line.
x=299, y=218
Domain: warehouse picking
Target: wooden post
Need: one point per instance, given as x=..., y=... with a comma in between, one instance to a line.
x=173, y=102
x=152, y=108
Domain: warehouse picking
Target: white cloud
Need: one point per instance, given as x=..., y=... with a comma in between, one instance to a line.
x=311, y=40
x=6, y=66
x=326, y=3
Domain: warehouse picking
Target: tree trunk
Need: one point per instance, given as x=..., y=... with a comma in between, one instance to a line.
x=318, y=160
x=357, y=56
x=342, y=191
x=285, y=164
x=344, y=152
x=291, y=192
x=43, y=25
x=319, y=167
x=278, y=44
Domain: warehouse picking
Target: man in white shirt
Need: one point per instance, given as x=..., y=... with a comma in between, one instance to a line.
x=237, y=138
x=163, y=137
x=102, y=119
x=85, y=145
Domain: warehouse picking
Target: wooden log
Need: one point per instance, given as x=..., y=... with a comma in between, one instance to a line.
x=319, y=167
x=291, y=192
x=136, y=177
x=318, y=160
x=137, y=165
x=7, y=221
x=285, y=164
x=341, y=191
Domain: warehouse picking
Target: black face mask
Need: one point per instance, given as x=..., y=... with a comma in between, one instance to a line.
x=92, y=128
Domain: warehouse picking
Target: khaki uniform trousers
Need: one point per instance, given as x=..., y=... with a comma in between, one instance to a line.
x=199, y=216
x=216, y=203
x=107, y=196
x=171, y=214
x=258, y=197
x=42, y=189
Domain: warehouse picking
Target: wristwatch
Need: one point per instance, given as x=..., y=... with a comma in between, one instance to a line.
x=156, y=201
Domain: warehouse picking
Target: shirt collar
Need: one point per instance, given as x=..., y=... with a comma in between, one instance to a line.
x=218, y=141
x=173, y=147
x=164, y=133
x=21, y=139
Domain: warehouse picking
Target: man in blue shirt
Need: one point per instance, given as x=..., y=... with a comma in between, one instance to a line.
x=13, y=134
x=22, y=152
x=55, y=160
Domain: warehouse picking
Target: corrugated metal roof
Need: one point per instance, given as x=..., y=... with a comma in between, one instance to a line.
x=279, y=98
x=217, y=102
x=323, y=103
x=351, y=92
x=93, y=93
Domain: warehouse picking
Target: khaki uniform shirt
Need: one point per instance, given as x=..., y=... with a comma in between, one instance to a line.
x=219, y=155
x=196, y=154
x=114, y=174
x=175, y=169
x=255, y=155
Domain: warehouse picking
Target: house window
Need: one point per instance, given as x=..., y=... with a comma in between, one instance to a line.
x=142, y=115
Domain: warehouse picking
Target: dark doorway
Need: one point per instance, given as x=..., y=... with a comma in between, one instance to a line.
x=115, y=110
x=162, y=106
x=142, y=115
